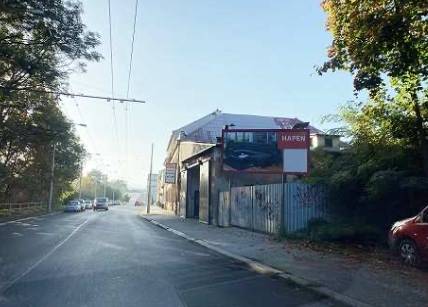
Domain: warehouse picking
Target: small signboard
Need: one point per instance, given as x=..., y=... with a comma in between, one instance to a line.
x=170, y=172
x=293, y=139
x=295, y=147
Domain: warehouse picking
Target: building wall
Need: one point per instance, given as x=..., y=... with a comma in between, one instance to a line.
x=181, y=151
x=318, y=140
x=219, y=181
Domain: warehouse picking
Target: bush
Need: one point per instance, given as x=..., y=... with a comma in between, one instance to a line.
x=345, y=232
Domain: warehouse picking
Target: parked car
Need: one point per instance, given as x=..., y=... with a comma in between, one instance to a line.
x=82, y=204
x=72, y=206
x=138, y=203
x=409, y=238
x=101, y=203
x=88, y=204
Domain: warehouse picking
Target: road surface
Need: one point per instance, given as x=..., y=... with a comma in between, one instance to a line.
x=115, y=258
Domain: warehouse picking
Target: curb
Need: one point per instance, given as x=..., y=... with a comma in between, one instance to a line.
x=266, y=269
x=30, y=217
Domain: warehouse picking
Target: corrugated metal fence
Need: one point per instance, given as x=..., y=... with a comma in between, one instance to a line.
x=259, y=207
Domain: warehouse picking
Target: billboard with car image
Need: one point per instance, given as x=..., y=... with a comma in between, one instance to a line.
x=251, y=150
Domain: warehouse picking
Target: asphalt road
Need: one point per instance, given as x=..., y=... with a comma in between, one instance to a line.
x=115, y=258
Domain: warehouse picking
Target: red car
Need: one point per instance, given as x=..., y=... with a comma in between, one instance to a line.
x=409, y=238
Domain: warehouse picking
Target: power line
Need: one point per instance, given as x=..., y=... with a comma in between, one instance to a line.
x=127, y=89
x=132, y=47
x=112, y=75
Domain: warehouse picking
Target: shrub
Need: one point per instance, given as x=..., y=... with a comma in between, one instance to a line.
x=346, y=232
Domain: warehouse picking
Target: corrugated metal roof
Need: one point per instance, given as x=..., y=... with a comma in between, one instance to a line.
x=208, y=128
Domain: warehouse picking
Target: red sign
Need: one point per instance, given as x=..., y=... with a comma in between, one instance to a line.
x=293, y=139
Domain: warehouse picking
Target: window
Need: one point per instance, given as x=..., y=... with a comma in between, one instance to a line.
x=328, y=141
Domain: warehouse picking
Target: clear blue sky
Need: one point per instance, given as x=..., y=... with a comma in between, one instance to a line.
x=194, y=56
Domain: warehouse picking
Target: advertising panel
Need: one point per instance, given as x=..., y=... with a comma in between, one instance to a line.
x=253, y=151
x=266, y=150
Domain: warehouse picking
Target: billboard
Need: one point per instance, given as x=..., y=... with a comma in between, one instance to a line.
x=266, y=151
x=251, y=151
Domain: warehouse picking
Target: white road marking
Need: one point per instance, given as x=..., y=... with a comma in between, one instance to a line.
x=30, y=217
x=32, y=267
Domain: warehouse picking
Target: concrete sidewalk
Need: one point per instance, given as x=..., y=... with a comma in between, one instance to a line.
x=366, y=281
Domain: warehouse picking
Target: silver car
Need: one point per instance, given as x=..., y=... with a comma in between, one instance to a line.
x=73, y=206
x=101, y=203
x=88, y=204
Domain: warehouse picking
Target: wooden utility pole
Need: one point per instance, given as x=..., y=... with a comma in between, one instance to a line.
x=149, y=188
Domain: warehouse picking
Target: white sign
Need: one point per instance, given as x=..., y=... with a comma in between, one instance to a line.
x=170, y=172
x=295, y=160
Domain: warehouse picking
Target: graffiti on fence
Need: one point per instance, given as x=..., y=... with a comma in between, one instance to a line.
x=308, y=195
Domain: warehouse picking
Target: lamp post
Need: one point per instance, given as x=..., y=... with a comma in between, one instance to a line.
x=178, y=180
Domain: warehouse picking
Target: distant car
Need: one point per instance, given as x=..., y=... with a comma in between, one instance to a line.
x=73, y=206
x=138, y=203
x=88, y=204
x=101, y=203
x=409, y=238
x=82, y=204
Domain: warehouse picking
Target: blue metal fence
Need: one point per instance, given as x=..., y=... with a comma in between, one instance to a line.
x=303, y=202
x=259, y=207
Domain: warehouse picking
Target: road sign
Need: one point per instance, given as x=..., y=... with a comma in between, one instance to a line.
x=170, y=172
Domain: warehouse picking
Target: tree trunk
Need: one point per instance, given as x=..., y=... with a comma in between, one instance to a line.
x=423, y=146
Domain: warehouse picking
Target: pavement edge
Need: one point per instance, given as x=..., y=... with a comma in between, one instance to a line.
x=266, y=269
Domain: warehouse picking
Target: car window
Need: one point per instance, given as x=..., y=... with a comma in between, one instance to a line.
x=425, y=216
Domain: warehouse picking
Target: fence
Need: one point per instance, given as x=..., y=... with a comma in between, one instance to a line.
x=259, y=207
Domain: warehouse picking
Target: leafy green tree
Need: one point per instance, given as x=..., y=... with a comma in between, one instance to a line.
x=384, y=44
x=41, y=42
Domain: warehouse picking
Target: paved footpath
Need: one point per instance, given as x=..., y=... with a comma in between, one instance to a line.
x=367, y=282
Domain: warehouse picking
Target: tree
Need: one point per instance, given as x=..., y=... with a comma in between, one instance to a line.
x=97, y=178
x=40, y=40
x=384, y=44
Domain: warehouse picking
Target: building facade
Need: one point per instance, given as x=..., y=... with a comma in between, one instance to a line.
x=196, y=149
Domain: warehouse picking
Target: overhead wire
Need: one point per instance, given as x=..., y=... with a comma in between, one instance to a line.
x=112, y=78
x=128, y=87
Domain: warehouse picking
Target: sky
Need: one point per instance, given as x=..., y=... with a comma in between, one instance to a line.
x=192, y=57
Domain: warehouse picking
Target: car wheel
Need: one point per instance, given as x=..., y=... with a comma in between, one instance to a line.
x=409, y=252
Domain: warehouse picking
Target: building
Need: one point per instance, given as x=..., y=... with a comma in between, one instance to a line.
x=152, y=180
x=161, y=188
x=197, y=151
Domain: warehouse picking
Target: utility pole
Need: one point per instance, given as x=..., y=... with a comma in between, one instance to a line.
x=95, y=192
x=105, y=181
x=149, y=188
x=52, y=179
x=80, y=180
